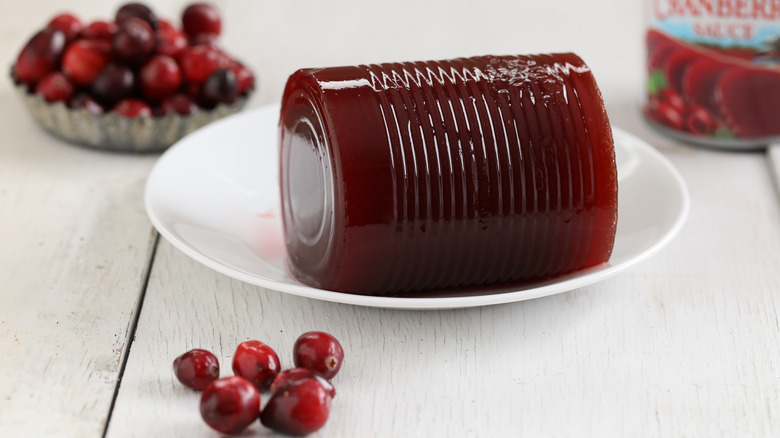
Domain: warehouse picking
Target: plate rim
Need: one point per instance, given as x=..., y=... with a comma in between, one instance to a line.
x=500, y=296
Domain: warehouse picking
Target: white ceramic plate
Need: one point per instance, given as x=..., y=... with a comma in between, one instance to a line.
x=214, y=195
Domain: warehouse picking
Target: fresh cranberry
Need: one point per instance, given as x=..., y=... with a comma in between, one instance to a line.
x=113, y=84
x=55, y=87
x=199, y=62
x=136, y=10
x=68, y=24
x=192, y=90
x=40, y=56
x=159, y=78
x=85, y=59
x=165, y=25
x=85, y=101
x=244, y=77
x=201, y=18
x=294, y=375
x=99, y=30
x=204, y=39
x=699, y=121
x=229, y=405
x=220, y=87
x=225, y=60
x=177, y=104
x=298, y=409
x=132, y=108
x=134, y=41
x=318, y=351
x=256, y=362
x=170, y=42
x=196, y=368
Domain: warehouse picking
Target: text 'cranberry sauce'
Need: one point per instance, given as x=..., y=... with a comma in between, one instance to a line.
x=430, y=175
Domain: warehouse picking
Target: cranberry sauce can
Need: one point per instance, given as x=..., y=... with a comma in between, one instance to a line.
x=404, y=177
x=713, y=71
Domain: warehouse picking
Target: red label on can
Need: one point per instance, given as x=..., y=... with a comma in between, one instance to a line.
x=714, y=70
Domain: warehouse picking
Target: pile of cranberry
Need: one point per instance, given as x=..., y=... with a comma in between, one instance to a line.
x=300, y=397
x=136, y=65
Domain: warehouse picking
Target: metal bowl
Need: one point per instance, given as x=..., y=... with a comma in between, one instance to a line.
x=111, y=131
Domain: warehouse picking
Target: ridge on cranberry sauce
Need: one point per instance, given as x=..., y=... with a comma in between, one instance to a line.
x=714, y=71
x=413, y=176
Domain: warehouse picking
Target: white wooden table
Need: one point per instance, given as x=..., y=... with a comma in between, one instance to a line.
x=94, y=306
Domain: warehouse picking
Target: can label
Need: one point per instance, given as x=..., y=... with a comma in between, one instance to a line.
x=714, y=69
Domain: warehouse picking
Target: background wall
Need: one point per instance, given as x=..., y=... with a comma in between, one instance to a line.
x=277, y=37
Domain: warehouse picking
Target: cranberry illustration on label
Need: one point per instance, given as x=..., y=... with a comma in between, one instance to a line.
x=713, y=73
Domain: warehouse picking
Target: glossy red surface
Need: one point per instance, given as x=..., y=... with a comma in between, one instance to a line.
x=441, y=174
x=229, y=405
x=256, y=362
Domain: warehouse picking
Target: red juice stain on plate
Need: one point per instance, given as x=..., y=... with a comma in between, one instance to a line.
x=714, y=71
x=419, y=176
x=268, y=238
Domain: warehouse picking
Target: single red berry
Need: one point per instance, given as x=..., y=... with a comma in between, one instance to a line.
x=299, y=409
x=204, y=39
x=132, y=108
x=136, y=10
x=196, y=368
x=318, y=351
x=85, y=59
x=294, y=375
x=225, y=60
x=177, y=104
x=40, y=56
x=220, y=87
x=201, y=18
x=85, y=101
x=113, y=84
x=170, y=42
x=55, y=87
x=134, y=41
x=244, y=77
x=69, y=24
x=230, y=404
x=256, y=362
x=165, y=25
x=199, y=62
x=99, y=30
x=192, y=90
x=159, y=78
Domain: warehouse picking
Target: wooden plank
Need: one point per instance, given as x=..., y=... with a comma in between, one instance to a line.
x=75, y=250
x=681, y=345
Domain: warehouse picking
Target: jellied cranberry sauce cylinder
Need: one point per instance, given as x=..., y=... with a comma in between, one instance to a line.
x=430, y=175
